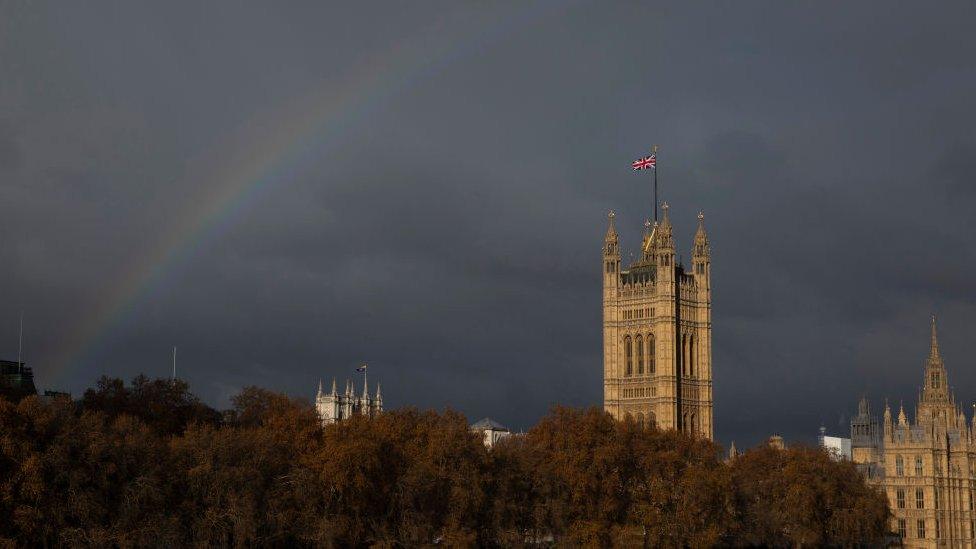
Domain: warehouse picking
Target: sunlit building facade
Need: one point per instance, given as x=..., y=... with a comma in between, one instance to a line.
x=926, y=465
x=657, y=331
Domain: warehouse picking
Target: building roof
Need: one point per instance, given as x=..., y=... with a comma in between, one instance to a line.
x=488, y=424
x=16, y=380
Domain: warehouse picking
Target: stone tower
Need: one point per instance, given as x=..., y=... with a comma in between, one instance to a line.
x=657, y=331
x=334, y=406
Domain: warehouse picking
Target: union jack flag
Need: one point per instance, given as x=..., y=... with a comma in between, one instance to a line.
x=361, y=368
x=645, y=162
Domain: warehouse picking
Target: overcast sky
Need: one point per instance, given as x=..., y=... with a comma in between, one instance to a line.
x=285, y=191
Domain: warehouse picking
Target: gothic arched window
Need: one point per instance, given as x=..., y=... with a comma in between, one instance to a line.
x=629, y=353
x=640, y=420
x=691, y=355
x=639, y=342
x=899, y=466
x=936, y=380
x=651, y=419
x=918, y=466
x=650, y=353
x=693, y=424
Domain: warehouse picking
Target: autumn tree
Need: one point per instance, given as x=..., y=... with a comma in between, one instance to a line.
x=800, y=496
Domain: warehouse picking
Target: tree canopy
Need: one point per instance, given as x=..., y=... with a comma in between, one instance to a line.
x=148, y=464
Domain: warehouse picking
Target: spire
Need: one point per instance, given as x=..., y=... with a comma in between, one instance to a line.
x=733, y=453
x=365, y=389
x=663, y=231
x=902, y=420
x=863, y=407
x=611, y=229
x=334, y=387
x=320, y=389
x=379, y=394
x=935, y=387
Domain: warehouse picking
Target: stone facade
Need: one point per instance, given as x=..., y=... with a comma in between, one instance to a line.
x=657, y=331
x=335, y=406
x=926, y=466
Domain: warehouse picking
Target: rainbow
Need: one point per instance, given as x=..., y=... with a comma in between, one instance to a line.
x=253, y=161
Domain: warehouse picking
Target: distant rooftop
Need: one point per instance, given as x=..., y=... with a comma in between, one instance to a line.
x=16, y=380
x=488, y=424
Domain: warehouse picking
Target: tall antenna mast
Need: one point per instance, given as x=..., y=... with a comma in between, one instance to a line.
x=174, y=362
x=20, y=345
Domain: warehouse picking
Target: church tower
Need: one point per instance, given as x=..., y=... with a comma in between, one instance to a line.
x=657, y=331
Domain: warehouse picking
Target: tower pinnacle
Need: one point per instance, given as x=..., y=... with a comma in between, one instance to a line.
x=934, y=346
x=611, y=230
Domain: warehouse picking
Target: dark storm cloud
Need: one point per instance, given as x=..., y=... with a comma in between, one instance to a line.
x=449, y=230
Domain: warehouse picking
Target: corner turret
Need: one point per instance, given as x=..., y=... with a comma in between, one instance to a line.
x=611, y=258
x=887, y=421
x=701, y=257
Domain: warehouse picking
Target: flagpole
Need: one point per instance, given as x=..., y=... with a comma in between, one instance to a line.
x=655, y=183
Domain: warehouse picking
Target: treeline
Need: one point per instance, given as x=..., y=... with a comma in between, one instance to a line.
x=147, y=464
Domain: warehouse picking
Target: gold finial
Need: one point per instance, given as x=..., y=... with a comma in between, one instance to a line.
x=701, y=215
x=647, y=223
x=611, y=215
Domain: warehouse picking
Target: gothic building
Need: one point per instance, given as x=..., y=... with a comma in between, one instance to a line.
x=657, y=331
x=926, y=465
x=335, y=406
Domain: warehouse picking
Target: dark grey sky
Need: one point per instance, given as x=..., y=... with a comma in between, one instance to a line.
x=431, y=188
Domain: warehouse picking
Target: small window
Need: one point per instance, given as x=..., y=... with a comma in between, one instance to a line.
x=900, y=498
x=899, y=462
x=902, y=530
x=918, y=466
x=920, y=527
x=938, y=528
x=919, y=498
